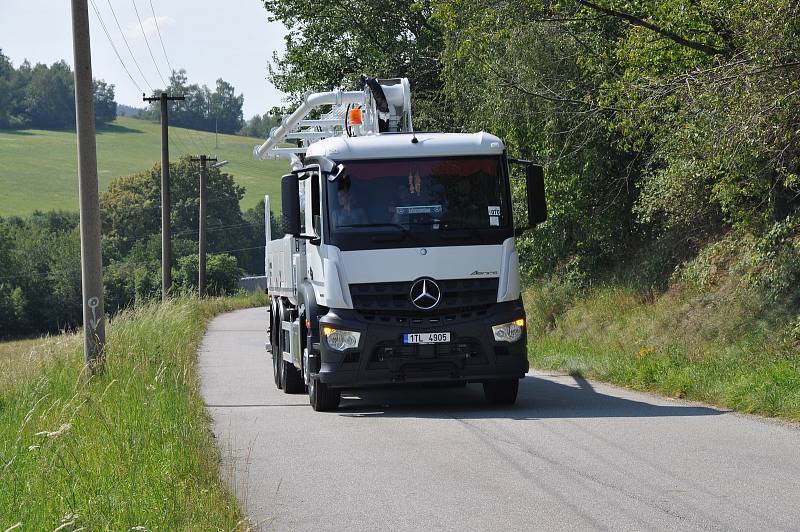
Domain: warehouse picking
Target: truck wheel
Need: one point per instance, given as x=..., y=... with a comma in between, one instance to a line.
x=501, y=392
x=275, y=344
x=322, y=397
x=276, y=372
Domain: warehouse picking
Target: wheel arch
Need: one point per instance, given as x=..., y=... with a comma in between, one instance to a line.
x=313, y=311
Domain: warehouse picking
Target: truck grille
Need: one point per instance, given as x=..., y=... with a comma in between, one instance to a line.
x=459, y=296
x=395, y=355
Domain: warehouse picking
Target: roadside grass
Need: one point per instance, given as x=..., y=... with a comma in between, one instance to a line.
x=39, y=168
x=128, y=448
x=710, y=346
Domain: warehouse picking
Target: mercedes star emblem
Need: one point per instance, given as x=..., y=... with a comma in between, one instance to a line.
x=425, y=293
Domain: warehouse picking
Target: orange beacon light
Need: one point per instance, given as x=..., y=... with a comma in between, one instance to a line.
x=356, y=117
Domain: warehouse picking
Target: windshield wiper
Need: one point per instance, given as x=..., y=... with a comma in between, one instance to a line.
x=385, y=224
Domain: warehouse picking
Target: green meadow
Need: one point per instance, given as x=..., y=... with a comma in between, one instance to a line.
x=39, y=168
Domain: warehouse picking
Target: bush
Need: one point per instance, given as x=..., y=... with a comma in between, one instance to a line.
x=222, y=274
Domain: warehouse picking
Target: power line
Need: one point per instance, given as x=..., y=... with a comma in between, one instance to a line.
x=155, y=19
x=122, y=34
x=113, y=46
x=175, y=140
x=166, y=85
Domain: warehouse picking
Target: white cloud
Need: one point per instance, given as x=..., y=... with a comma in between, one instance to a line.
x=134, y=31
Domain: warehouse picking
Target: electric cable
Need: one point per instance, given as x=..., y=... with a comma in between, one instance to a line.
x=163, y=48
x=127, y=45
x=113, y=46
x=146, y=42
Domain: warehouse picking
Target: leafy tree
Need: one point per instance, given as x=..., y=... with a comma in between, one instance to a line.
x=50, y=97
x=660, y=123
x=44, y=97
x=222, y=273
x=256, y=232
x=647, y=115
x=40, y=258
x=202, y=109
x=226, y=108
x=130, y=207
x=330, y=44
x=105, y=107
x=261, y=125
x=6, y=95
x=13, y=310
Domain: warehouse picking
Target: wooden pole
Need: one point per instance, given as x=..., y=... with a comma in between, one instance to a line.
x=201, y=238
x=166, y=200
x=94, y=335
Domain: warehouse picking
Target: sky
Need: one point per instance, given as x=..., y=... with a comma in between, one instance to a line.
x=235, y=43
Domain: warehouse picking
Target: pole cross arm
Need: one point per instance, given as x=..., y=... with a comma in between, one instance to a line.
x=163, y=95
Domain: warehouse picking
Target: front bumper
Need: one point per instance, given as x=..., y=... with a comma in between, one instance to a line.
x=381, y=358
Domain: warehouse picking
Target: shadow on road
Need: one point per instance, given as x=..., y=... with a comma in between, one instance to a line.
x=538, y=399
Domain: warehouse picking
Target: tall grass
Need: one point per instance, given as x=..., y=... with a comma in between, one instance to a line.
x=129, y=448
x=709, y=345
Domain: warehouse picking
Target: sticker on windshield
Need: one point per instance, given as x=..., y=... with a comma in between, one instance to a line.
x=494, y=215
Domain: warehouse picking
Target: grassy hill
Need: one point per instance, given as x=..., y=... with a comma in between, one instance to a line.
x=39, y=168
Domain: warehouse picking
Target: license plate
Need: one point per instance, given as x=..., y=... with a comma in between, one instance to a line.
x=426, y=338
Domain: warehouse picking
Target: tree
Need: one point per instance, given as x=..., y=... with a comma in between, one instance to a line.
x=202, y=109
x=226, y=108
x=40, y=259
x=44, y=97
x=222, y=273
x=6, y=96
x=130, y=207
x=105, y=107
x=50, y=97
x=261, y=125
x=330, y=44
x=660, y=123
x=256, y=231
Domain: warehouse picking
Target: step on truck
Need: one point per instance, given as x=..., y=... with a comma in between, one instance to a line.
x=398, y=263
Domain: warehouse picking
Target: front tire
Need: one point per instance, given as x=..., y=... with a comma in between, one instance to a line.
x=501, y=392
x=322, y=397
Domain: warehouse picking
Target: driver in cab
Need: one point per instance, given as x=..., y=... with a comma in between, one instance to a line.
x=347, y=213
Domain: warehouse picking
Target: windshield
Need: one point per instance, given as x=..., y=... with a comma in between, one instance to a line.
x=419, y=195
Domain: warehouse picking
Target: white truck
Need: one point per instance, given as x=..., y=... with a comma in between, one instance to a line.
x=399, y=263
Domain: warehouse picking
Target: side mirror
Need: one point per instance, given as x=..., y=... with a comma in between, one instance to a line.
x=537, y=204
x=290, y=203
x=337, y=172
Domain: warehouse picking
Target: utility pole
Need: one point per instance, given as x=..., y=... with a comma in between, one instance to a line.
x=94, y=333
x=166, y=237
x=201, y=233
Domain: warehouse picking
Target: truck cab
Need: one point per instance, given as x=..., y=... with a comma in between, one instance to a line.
x=399, y=266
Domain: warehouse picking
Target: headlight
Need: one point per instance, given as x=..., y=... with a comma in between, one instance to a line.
x=508, y=332
x=341, y=340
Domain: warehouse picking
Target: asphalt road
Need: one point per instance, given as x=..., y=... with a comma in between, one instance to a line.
x=571, y=454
